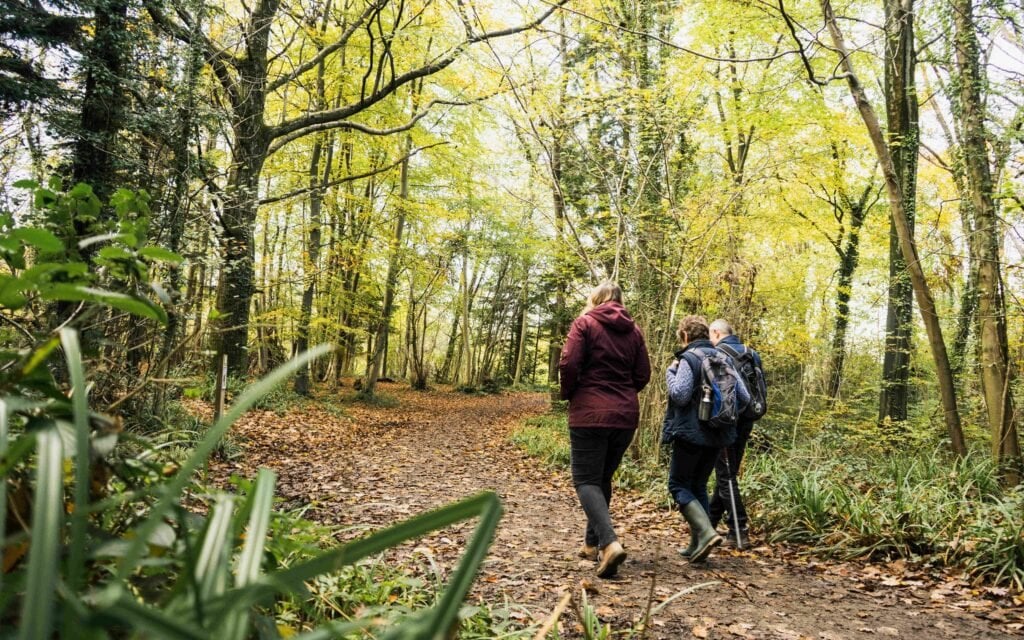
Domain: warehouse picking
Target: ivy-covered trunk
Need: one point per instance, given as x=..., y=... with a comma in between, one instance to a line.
x=995, y=370
x=901, y=115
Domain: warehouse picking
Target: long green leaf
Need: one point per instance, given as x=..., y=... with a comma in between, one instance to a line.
x=248, y=570
x=4, y=416
x=37, y=610
x=134, y=305
x=446, y=613
x=149, y=621
x=293, y=578
x=211, y=567
x=174, y=488
x=80, y=410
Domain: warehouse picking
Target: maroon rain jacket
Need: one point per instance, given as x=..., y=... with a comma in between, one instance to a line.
x=604, y=364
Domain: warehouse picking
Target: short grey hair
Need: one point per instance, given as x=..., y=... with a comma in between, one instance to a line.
x=721, y=325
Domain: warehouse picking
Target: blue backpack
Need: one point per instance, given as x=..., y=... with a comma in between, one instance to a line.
x=715, y=380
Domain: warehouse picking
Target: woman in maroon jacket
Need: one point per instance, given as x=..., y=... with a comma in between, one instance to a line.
x=604, y=364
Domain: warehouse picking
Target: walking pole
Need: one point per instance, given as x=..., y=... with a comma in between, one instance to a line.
x=732, y=500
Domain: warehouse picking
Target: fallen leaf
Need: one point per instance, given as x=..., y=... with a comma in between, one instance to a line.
x=699, y=632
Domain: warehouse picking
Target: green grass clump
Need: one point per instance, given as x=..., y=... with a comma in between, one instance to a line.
x=545, y=437
x=924, y=505
x=848, y=503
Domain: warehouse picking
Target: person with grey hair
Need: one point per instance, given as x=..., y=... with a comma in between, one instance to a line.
x=727, y=498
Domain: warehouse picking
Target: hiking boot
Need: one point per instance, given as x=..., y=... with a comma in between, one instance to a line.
x=611, y=557
x=729, y=539
x=588, y=552
x=700, y=525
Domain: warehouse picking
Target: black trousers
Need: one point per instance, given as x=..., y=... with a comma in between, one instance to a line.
x=727, y=487
x=596, y=454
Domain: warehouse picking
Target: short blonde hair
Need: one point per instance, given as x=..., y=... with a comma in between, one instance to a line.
x=694, y=328
x=607, y=291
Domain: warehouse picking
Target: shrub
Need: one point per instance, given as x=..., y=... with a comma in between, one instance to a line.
x=160, y=569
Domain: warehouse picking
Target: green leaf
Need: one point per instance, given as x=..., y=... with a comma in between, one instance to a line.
x=236, y=623
x=211, y=568
x=80, y=413
x=149, y=622
x=47, y=507
x=26, y=184
x=10, y=292
x=446, y=614
x=39, y=355
x=81, y=190
x=159, y=254
x=115, y=253
x=5, y=414
x=124, y=302
x=292, y=579
x=39, y=238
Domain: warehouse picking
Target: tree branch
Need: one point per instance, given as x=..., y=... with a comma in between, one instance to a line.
x=351, y=178
x=328, y=50
x=341, y=113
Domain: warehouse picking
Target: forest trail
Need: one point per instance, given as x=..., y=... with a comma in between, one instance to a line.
x=369, y=467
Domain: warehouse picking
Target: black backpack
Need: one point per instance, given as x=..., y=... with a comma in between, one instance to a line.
x=754, y=378
x=716, y=377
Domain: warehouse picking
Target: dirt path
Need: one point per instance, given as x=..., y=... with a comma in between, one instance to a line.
x=375, y=466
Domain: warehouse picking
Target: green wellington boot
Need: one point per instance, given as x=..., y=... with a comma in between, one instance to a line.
x=707, y=537
x=688, y=551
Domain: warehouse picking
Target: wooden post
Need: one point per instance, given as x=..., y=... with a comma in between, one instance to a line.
x=221, y=392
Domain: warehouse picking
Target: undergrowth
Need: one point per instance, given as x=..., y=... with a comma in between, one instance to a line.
x=920, y=505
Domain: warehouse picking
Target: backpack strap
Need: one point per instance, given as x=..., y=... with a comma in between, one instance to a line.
x=694, y=360
x=730, y=350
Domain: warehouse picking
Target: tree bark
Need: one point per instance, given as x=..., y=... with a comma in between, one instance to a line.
x=849, y=256
x=902, y=119
x=922, y=292
x=995, y=370
x=391, y=283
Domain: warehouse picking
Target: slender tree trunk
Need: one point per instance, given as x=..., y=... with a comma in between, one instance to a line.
x=524, y=308
x=391, y=283
x=922, y=292
x=995, y=370
x=847, y=266
x=902, y=117
x=560, y=325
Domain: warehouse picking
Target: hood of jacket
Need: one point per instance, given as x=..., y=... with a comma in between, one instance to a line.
x=614, y=316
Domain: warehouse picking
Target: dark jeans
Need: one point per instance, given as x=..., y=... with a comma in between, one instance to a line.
x=727, y=469
x=596, y=454
x=688, y=472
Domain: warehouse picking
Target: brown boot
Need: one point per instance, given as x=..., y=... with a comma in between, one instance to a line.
x=611, y=557
x=588, y=552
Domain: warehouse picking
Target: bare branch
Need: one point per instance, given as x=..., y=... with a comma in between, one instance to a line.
x=351, y=178
x=438, y=64
x=328, y=50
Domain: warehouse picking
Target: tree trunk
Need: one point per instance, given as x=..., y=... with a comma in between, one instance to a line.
x=995, y=370
x=560, y=325
x=847, y=266
x=391, y=283
x=251, y=142
x=524, y=307
x=103, y=104
x=922, y=292
x=902, y=117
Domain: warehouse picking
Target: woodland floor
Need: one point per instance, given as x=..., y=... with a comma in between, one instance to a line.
x=367, y=467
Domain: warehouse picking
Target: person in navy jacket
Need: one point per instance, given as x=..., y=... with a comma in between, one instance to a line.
x=727, y=488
